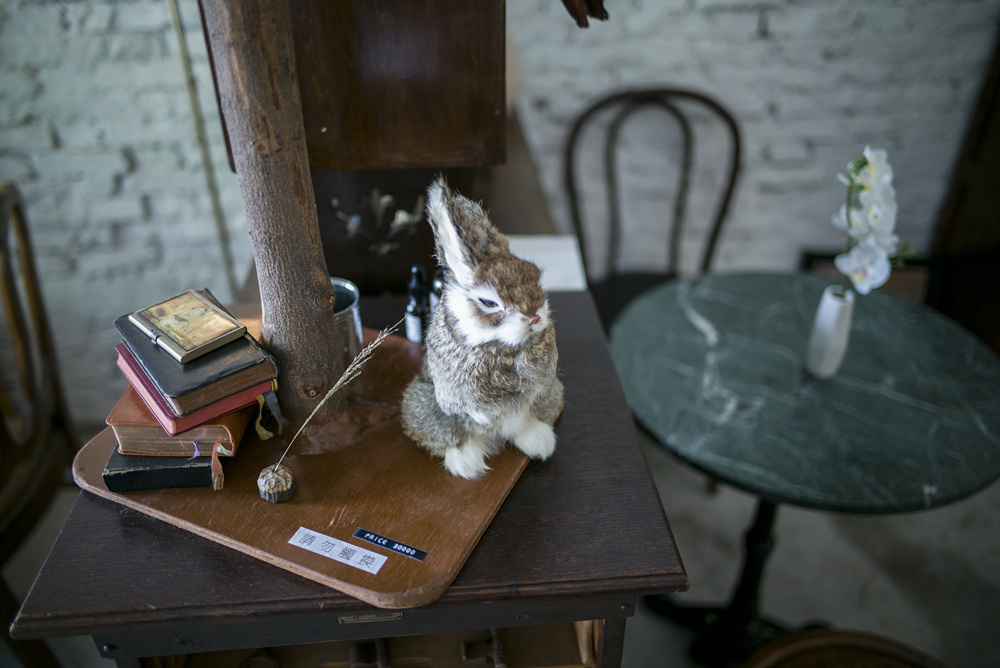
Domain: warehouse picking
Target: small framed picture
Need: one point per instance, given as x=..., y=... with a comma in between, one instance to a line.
x=187, y=325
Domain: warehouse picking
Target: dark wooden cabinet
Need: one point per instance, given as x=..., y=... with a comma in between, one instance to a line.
x=401, y=83
x=965, y=256
x=392, y=93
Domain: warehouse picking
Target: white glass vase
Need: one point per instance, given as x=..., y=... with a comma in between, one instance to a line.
x=831, y=332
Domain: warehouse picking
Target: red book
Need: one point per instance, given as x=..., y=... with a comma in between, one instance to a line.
x=175, y=424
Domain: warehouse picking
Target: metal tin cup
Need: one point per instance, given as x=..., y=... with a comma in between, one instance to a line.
x=347, y=317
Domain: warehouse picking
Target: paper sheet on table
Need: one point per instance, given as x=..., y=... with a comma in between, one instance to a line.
x=557, y=255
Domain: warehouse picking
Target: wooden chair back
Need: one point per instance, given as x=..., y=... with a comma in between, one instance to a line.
x=36, y=438
x=834, y=647
x=607, y=118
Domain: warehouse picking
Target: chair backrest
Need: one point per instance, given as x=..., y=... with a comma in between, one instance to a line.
x=32, y=405
x=609, y=116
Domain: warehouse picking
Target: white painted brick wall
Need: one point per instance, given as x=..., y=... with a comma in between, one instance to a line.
x=96, y=128
x=810, y=81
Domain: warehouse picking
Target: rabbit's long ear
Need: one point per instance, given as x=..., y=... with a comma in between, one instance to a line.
x=466, y=239
x=451, y=250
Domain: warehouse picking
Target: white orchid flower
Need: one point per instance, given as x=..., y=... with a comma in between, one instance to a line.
x=869, y=219
x=872, y=170
x=881, y=211
x=878, y=170
x=876, y=192
x=866, y=265
x=856, y=225
x=887, y=242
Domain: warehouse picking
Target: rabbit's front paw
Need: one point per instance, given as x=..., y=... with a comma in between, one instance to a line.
x=535, y=439
x=467, y=461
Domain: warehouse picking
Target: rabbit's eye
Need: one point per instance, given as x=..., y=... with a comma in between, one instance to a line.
x=487, y=303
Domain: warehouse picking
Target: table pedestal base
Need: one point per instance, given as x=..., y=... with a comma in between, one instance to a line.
x=721, y=640
x=728, y=636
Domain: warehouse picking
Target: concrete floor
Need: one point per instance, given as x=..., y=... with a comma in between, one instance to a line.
x=926, y=579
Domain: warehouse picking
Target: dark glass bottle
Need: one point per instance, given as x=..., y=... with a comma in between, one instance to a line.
x=437, y=285
x=418, y=310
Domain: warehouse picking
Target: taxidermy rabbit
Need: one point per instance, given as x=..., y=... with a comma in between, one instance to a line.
x=489, y=369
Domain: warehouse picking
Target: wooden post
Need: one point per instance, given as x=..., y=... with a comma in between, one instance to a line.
x=254, y=56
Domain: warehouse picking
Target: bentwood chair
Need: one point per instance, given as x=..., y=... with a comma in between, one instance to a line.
x=36, y=437
x=599, y=153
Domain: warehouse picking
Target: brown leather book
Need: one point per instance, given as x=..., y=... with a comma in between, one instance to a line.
x=139, y=433
x=187, y=387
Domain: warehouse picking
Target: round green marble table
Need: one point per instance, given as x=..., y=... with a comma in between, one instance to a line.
x=713, y=367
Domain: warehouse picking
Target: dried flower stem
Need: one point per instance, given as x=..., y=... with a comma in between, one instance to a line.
x=350, y=373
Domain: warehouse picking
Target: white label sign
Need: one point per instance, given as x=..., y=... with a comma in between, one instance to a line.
x=338, y=550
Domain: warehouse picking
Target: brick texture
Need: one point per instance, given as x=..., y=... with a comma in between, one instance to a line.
x=97, y=129
x=810, y=83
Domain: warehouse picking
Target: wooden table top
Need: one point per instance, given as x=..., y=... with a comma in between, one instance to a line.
x=580, y=536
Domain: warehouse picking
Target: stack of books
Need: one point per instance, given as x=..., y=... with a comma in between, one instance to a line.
x=195, y=375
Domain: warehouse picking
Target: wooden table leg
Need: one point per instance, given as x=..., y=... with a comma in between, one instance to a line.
x=611, y=642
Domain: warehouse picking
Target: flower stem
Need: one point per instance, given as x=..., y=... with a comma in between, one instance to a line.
x=847, y=211
x=847, y=215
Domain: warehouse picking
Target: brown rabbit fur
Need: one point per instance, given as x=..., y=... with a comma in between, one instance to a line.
x=489, y=369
